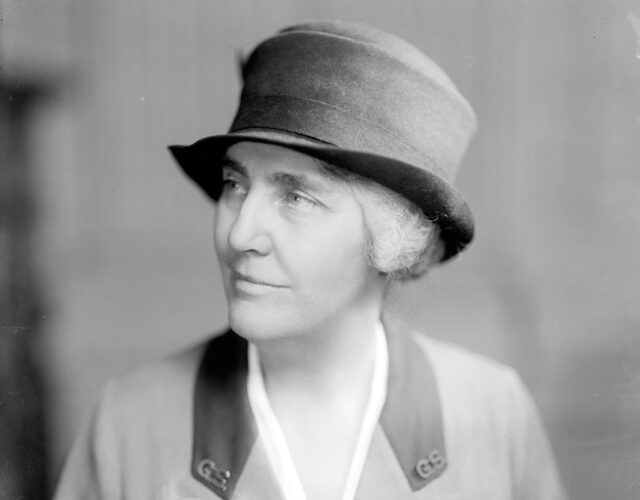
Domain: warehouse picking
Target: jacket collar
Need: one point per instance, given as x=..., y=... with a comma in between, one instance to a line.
x=224, y=430
x=411, y=417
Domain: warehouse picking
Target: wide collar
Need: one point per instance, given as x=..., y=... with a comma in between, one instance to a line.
x=224, y=429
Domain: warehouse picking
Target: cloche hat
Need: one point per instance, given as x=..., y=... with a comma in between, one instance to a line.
x=360, y=99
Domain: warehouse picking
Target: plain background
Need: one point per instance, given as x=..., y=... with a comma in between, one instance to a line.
x=123, y=241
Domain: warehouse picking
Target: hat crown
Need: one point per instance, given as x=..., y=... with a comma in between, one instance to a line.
x=358, y=88
x=395, y=46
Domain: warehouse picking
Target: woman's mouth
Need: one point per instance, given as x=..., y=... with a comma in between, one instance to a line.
x=252, y=285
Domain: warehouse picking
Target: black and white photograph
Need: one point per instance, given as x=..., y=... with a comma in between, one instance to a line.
x=320, y=250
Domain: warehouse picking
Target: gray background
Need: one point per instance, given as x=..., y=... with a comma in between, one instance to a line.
x=123, y=245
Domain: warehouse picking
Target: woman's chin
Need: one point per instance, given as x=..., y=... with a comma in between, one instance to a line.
x=259, y=323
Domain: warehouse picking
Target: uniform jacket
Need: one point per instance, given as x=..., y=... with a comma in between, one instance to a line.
x=455, y=426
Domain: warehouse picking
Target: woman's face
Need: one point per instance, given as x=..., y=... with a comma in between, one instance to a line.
x=291, y=242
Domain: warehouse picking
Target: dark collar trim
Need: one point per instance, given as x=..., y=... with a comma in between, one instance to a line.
x=411, y=417
x=224, y=430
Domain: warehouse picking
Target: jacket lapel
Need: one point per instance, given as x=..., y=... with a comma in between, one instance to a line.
x=407, y=450
x=411, y=418
x=382, y=477
x=227, y=457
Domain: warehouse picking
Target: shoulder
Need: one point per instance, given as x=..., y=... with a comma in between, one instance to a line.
x=159, y=393
x=156, y=379
x=469, y=380
x=492, y=425
x=139, y=430
x=457, y=365
x=454, y=366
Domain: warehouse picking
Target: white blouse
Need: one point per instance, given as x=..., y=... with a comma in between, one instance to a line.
x=273, y=438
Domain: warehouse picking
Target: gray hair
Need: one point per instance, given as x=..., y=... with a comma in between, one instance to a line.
x=403, y=243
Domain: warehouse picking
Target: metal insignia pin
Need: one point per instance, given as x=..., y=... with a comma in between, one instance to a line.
x=214, y=475
x=432, y=464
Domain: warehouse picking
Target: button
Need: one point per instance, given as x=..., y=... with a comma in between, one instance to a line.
x=212, y=474
x=431, y=465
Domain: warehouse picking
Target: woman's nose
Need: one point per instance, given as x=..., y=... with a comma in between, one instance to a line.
x=248, y=232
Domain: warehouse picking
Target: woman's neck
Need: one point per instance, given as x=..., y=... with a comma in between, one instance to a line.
x=327, y=368
x=318, y=386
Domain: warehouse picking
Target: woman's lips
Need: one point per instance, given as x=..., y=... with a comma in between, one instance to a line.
x=251, y=285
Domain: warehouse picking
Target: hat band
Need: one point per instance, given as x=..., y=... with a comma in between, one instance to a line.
x=329, y=124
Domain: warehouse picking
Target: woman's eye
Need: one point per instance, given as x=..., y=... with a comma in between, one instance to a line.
x=230, y=183
x=296, y=199
x=232, y=186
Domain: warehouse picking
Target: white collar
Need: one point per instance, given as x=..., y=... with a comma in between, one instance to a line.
x=273, y=437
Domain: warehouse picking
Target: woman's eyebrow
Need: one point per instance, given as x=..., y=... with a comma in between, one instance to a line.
x=292, y=180
x=285, y=179
x=231, y=164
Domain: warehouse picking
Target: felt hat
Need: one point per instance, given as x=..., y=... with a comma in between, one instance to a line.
x=360, y=99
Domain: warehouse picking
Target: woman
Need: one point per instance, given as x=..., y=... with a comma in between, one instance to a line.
x=334, y=181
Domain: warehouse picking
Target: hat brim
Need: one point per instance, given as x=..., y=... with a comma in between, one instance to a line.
x=439, y=201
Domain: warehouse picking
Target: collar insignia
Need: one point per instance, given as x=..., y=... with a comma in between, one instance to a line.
x=224, y=430
x=218, y=478
x=431, y=466
x=411, y=417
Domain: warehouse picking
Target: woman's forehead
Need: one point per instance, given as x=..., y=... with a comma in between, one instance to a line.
x=281, y=165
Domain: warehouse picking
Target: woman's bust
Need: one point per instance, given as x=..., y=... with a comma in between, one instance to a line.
x=334, y=181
